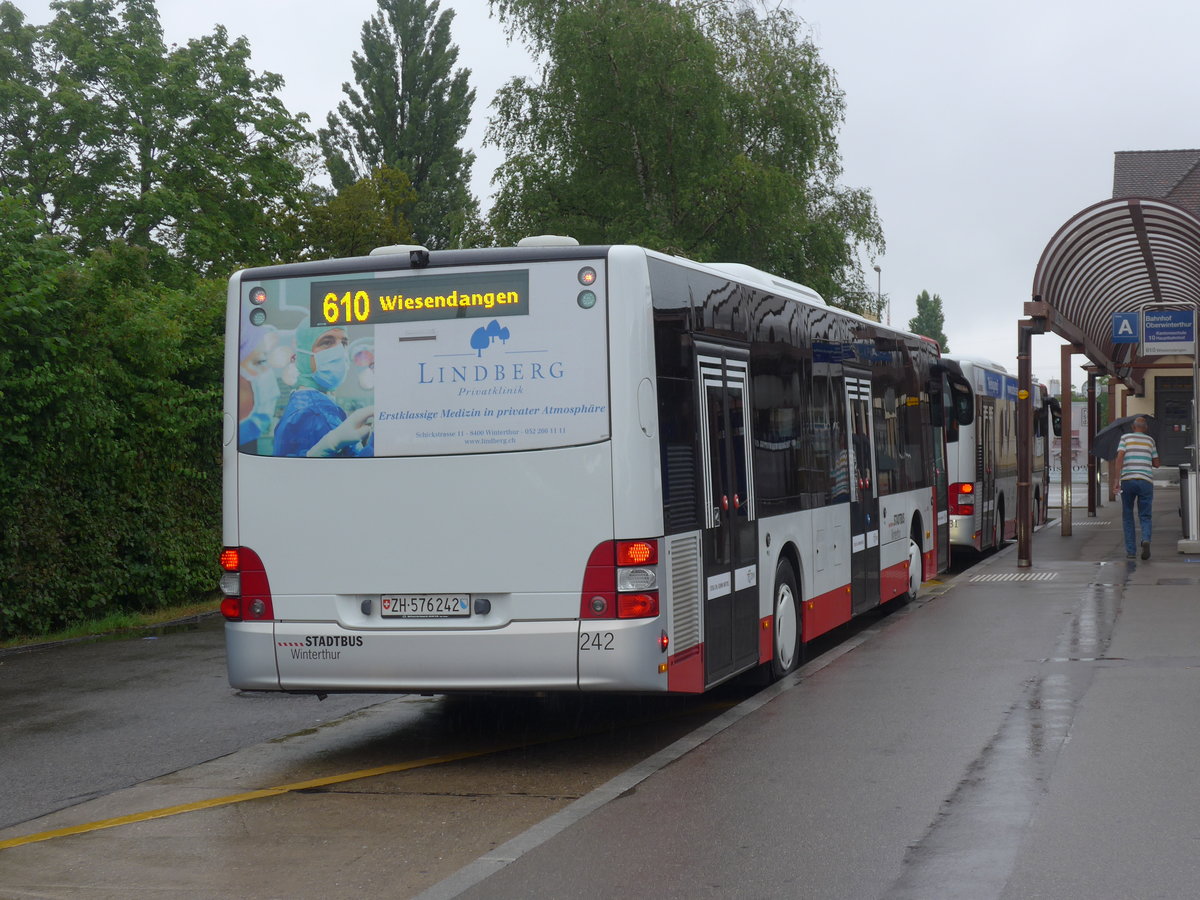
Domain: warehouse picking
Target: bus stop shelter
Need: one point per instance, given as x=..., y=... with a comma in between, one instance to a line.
x=1113, y=259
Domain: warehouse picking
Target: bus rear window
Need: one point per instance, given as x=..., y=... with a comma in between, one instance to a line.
x=425, y=363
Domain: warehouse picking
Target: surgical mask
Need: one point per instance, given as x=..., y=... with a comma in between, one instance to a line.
x=266, y=392
x=332, y=365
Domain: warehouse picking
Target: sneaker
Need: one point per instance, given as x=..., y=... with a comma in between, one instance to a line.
x=1145, y=549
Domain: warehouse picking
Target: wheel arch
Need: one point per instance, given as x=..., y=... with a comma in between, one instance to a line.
x=917, y=532
x=790, y=552
x=917, y=535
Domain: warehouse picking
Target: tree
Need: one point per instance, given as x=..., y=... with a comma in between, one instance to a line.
x=363, y=216
x=41, y=126
x=410, y=112
x=183, y=150
x=693, y=126
x=929, y=320
x=869, y=304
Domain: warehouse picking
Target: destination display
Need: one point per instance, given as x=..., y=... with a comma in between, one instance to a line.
x=418, y=298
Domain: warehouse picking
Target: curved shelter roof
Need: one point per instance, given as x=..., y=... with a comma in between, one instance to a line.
x=1119, y=255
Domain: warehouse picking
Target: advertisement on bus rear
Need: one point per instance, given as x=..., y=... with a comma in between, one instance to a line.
x=424, y=363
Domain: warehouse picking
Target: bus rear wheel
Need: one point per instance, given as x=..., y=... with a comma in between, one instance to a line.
x=787, y=645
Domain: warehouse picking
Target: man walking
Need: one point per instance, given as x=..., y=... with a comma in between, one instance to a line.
x=1137, y=456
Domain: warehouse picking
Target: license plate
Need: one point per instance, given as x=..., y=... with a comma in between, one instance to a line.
x=426, y=606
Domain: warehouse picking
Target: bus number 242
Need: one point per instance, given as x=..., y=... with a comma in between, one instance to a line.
x=596, y=640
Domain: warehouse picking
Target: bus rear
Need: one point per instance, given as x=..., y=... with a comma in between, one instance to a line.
x=419, y=474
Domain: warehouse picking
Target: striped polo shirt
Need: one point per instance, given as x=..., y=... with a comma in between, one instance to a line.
x=1140, y=451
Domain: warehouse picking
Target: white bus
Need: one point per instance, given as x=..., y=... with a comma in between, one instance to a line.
x=560, y=467
x=981, y=450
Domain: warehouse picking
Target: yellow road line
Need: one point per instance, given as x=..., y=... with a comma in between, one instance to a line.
x=241, y=798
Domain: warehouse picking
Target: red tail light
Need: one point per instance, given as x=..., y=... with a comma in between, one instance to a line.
x=637, y=606
x=620, y=581
x=248, y=593
x=962, y=499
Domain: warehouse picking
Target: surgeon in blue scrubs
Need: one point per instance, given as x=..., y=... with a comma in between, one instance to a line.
x=313, y=424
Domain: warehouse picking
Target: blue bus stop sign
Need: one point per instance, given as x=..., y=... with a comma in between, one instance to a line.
x=1167, y=331
x=1126, y=329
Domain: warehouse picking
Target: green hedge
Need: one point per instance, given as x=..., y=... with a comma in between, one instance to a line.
x=110, y=404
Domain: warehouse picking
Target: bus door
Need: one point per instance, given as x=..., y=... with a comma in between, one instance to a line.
x=730, y=544
x=985, y=469
x=864, y=501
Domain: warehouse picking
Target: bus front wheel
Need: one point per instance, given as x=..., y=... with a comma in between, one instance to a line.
x=787, y=645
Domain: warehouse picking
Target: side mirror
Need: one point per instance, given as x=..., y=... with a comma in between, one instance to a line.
x=962, y=397
x=1054, y=408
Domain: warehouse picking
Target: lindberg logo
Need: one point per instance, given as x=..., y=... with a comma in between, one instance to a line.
x=483, y=339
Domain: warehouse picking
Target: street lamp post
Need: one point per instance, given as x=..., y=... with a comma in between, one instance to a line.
x=879, y=294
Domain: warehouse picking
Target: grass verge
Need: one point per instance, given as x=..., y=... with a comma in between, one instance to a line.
x=118, y=622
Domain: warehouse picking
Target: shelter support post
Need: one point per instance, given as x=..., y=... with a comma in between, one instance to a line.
x=1110, y=477
x=1092, y=463
x=1067, y=451
x=1190, y=542
x=1195, y=393
x=1026, y=329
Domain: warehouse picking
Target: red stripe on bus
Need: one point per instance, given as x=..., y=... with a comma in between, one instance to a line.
x=893, y=581
x=825, y=612
x=766, y=639
x=685, y=671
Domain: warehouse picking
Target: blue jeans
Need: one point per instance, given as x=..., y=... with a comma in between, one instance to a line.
x=1142, y=492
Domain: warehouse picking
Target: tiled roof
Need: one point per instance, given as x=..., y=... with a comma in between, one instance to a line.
x=1186, y=192
x=1157, y=173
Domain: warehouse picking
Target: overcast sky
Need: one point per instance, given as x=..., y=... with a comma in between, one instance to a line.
x=979, y=127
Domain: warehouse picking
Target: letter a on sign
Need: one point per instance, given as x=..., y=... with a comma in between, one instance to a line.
x=1125, y=328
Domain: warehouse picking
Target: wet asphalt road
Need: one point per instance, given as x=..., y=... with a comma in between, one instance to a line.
x=82, y=719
